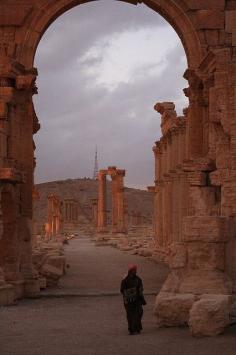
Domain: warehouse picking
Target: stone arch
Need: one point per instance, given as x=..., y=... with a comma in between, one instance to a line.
x=199, y=264
x=174, y=13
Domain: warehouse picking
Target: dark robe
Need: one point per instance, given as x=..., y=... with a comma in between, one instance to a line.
x=132, y=291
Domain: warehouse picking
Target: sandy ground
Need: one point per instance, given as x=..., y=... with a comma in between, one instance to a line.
x=87, y=316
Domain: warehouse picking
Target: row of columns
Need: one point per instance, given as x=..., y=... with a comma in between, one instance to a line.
x=62, y=216
x=71, y=215
x=171, y=189
x=70, y=210
x=54, y=224
x=118, y=201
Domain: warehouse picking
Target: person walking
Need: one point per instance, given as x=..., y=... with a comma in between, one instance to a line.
x=132, y=291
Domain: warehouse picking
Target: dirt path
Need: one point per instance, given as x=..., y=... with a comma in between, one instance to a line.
x=85, y=323
x=101, y=269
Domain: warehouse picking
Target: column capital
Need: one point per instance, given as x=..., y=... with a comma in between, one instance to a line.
x=102, y=173
x=120, y=172
x=157, y=148
x=151, y=188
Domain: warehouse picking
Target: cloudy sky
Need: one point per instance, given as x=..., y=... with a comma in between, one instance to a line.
x=102, y=67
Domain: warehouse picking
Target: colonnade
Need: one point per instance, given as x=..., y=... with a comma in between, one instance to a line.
x=171, y=188
x=71, y=215
x=54, y=224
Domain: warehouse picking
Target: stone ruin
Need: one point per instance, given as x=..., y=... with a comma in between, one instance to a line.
x=128, y=231
x=54, y=225
x=200, y=288
x=71, y=216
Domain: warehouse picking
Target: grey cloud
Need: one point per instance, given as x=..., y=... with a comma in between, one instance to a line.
x=78, y=29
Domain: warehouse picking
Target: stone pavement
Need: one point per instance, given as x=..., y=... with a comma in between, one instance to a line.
x=85, y=316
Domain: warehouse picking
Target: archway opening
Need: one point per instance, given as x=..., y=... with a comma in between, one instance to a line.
x=100, y=89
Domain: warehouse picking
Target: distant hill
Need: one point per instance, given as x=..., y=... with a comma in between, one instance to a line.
x=84, y=190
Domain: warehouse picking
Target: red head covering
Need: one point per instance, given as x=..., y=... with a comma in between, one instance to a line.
x=132, y=267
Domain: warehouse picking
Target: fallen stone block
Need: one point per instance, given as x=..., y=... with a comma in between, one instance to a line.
x=210, y=315
x=126, y=248
x=172, y=310
x=145, y=252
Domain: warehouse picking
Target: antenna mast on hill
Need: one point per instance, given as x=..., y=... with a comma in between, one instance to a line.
x=95, y=172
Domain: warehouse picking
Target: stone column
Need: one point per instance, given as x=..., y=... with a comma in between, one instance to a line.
x=112, y=171
x=70, y=222
x=95, y=211
x=175, y=147
x=197, y=113
x=102, y=217
x=121, y=227
x=175, y=207
x=36, y=197
x=126, y=208
x=50, y=216
x=158, y=210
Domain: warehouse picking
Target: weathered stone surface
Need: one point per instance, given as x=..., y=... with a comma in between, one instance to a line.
x=209, y=19
x=203, y=4
x=202, y=281
x=172, y=310
x=230, y=20
x=173, y=281
x=206, y=256
x=197, y=178
x=42, y=283
x=13, y=15
x=177, y=255
x=51, y=273
x=58, y=261
x=205, y=228
x=145, y=252
x=210, y=315
x=7, y=295
x=234, y=37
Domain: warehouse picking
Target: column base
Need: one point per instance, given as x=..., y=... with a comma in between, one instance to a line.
x=7, y=295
